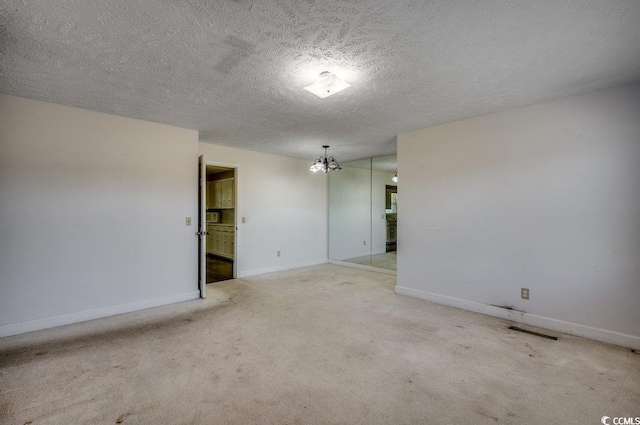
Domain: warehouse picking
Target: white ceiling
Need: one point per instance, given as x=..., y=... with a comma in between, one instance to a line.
x=234, y=69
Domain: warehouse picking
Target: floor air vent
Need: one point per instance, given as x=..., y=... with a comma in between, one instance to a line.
x=515, y=328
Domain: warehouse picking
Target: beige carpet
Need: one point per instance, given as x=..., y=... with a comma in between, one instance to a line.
x=319, y=345
x=388, y=260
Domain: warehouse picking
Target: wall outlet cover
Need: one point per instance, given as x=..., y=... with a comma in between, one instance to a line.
x=524, y=293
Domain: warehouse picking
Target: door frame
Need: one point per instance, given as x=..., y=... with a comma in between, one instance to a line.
x=202, y=226
x=236, y=174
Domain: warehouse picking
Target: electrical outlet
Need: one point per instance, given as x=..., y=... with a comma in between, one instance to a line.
x=244, y=219
x=187, y=221
x=278, y=253
x=524, y=293
x=364, y=242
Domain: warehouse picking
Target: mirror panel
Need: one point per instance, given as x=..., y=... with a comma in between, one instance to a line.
x=384, y=193
x=350, y=212
x=363, y=212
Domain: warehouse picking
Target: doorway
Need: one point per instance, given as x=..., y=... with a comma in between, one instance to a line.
x=220, y=223
x=391, y=214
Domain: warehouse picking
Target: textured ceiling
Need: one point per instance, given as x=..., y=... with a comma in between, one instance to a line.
x=234, y=69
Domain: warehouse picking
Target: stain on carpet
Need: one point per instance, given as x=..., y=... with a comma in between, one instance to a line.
x=122, y=417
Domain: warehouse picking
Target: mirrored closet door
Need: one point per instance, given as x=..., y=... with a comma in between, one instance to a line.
x=363, y=212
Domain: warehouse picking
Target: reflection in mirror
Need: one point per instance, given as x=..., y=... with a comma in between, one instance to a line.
x=384, y=211
x=350, y=212
x=363, y=212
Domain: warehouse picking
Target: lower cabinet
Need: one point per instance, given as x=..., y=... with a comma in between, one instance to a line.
x=220, y=241
x=210, y=230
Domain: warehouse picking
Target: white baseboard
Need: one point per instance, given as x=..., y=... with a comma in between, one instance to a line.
x=83, y=316
x=249, y=273
x=364, y=267
x=597, y=334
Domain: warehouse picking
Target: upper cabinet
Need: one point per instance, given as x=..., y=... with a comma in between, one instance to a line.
x=227, y=190
x=210, y=195
x=220, y=194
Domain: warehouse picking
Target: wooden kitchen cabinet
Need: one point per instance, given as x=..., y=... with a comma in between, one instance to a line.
x=225, y=244
x=217, y=203
x=210, y=195
x=226, y=193
x=223, y=193
x=222, y=241
x=210, y=230
x=217, y=242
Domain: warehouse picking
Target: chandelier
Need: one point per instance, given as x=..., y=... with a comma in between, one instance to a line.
x=325, y=163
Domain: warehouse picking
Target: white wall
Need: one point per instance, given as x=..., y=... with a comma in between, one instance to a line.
x=92, y=214
x=545, y=197
x=285, y=206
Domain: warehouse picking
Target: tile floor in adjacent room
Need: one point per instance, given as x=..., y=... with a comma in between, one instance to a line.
x=219, y=269
x=320, y=345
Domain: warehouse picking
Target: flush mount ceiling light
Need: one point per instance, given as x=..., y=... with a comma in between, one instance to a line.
x=395, y=178
x=325, y=163
x=327, y=85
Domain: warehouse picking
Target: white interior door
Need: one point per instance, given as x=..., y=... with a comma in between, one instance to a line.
x=202, y=227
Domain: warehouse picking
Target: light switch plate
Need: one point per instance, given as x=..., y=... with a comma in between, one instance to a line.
x=187, y=221
x=244, y=220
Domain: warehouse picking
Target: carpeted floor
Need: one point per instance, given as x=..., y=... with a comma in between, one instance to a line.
x=387, y=260
x=320, y=345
